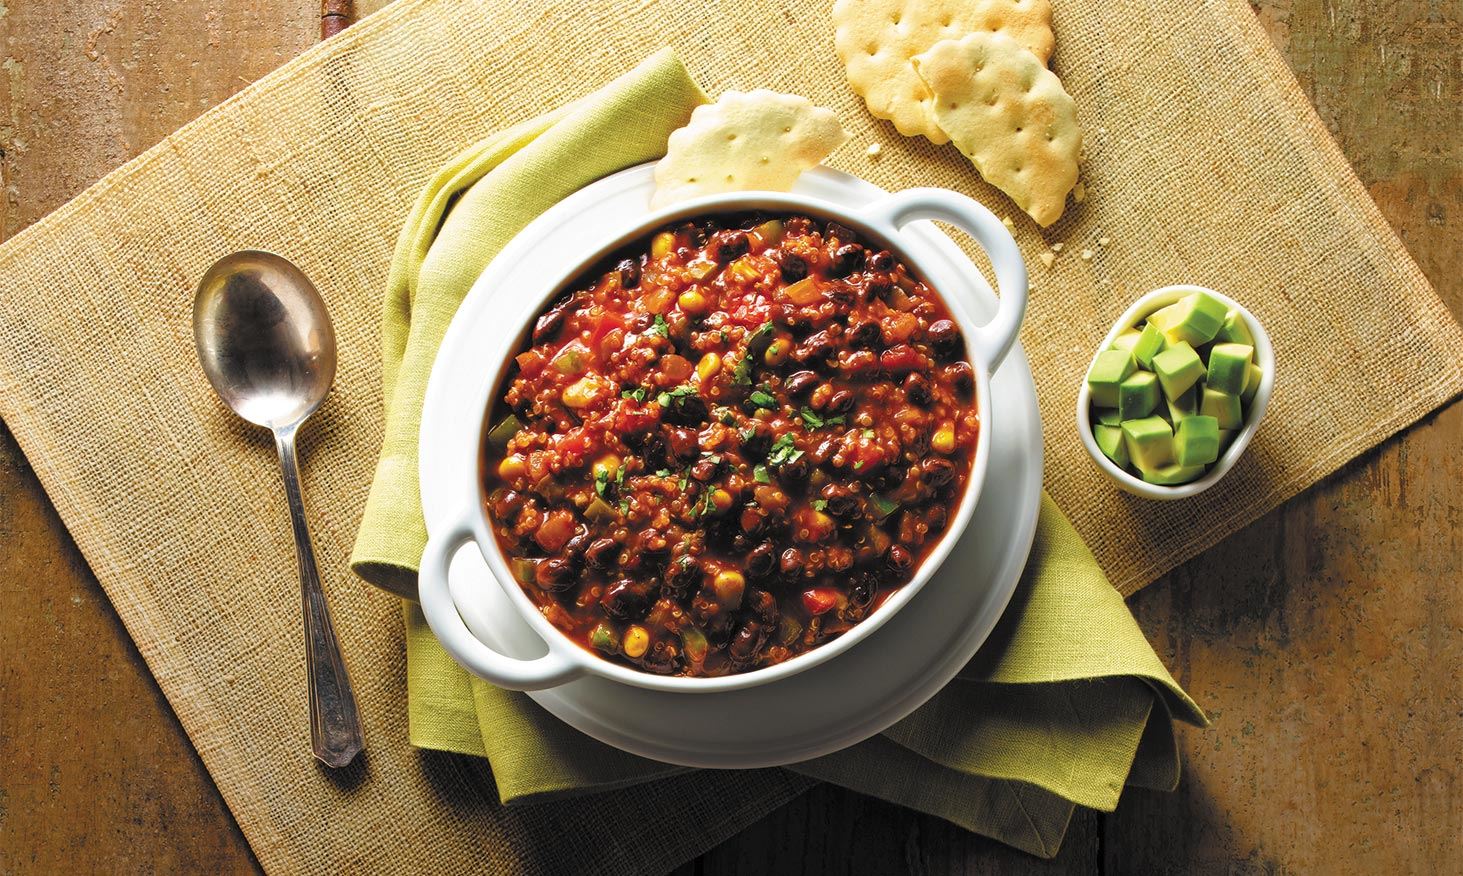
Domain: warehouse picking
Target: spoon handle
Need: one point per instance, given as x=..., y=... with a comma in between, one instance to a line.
x=335, y=725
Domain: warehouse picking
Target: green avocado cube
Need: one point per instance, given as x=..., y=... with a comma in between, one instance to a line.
x=1195, y=318
x=1235, y=330
x=1111, y=369
x=1172, y=475
x=1253, y=373
x=1196, y=441
x=1186, y=405
x=1221, y=406
x=1126, y=340
x=1138, y=395
x=1149, y=441
x=1147, y=345
x=1229, y=367
x=1178, y=369
x=1109, y=417
x=1110, y=442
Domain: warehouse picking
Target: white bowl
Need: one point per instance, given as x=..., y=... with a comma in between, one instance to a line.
x=1264, y=357
x=880, y=222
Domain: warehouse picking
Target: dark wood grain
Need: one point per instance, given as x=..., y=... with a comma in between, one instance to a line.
x=1326, y=639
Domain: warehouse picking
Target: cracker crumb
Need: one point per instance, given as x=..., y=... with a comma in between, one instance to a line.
x=1006, y=221
x=1079, y=192
x=1086, y=255
x=1047, y=258
x=874, y=150
x=1103, y=241
x=1057, y=247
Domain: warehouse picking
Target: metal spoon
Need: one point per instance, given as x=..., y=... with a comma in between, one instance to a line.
x=267, y=346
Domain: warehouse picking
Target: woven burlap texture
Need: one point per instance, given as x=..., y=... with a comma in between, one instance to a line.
x=1204, y=163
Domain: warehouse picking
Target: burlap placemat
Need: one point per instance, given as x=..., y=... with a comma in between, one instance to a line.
x=1204, y=163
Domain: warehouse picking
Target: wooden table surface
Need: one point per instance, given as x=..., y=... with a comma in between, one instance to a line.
x=1326, y=640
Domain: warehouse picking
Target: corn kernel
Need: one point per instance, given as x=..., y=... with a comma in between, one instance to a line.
x=777, y=351
x=606, y=467
x=512, y=468
x=662, y=244
x=721, y=500
x=583, y=392
x=693, y=303
x=729, y=586
x=708, y=366
x=636, y=641
x=944, y=439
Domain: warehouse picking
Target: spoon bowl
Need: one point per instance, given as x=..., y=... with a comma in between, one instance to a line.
x=264, y=338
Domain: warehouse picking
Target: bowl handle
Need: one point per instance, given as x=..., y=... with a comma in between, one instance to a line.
x=993, y=340
x=554, y=668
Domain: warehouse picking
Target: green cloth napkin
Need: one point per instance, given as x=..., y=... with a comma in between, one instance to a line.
x=1063, y=706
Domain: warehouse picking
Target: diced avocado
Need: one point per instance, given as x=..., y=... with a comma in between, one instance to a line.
x=1109, y=417
x=1186, y=405
x=1111, y=368
x=1110, y=441
x=1178, y=368
x=1149, y=442
x=1138, y=395
x=1196, y=441
x=1126, y=340
x=1147, y=345
x=1172, y=475
x=1195, y=318
x=1221, y=406
x=1228, y=367
x=1235, y=330
x=1253, y=373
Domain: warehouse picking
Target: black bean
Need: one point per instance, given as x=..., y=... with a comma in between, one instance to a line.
x=753, y=520
x=841, y=233
x=961, y=377
x=800, y=383
x=815, y=349
x=602, y=553
x=878, y=287
x=763, y=607
x=683, y=444
x=899, y=558
x=554, y=574
x=944, y=338
x=842, y=501
x=937, y=517
x=846, y=260
x=762, y=560
x=917, y=389
x=793, y=266
x=867, y=334
x=728, y=245
x=629, y=273
x=745, y=643
x=688, y=410
x=791, y=563
x=627, y=599
x=794, y=470
x=576, y=545
x=704, y=470
x=756, y=440
x=838, y=559
x=683, y=575
x=654, y=543
x=840, y=402
x=882, y=260
x=936, y=471
x=550, y=323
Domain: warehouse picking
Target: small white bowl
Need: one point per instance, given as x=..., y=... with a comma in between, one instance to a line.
x=1255, y=411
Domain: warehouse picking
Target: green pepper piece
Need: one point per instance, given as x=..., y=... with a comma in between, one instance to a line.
x=507, y=427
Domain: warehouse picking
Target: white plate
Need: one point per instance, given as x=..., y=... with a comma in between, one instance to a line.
x=827, y=707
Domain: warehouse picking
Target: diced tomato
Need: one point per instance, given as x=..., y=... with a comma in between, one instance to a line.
x=555, y=531
x=820, y=600
x=531, y=362
x=632, y=418
x=901, y=358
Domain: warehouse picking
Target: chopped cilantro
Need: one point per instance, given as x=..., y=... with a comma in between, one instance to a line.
x=748, y=434
x=725, y=338
x=638, y=393
x=858, y=465
x=882, y=506
x=784, y=450
x=660, y=327
x=742, y=374
x=762, y=399
x=869, y=433
x=813, y=420
x=820, y=504
x=624, y=506
x=681, y=391
x=760, y=475
x=713, y=458
x=601, y=482
x=664, y=399
x=620, y=476
x=663, y=473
